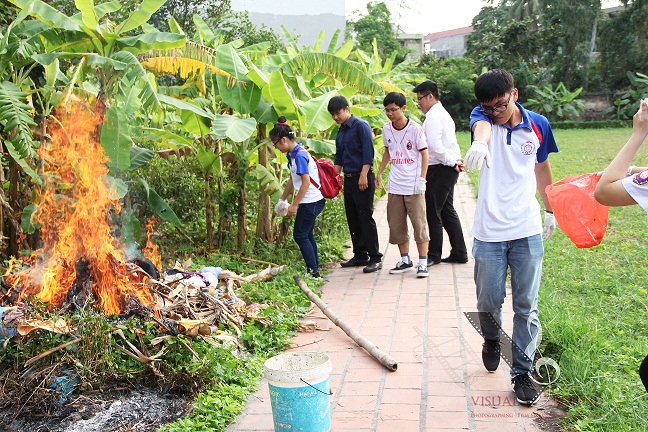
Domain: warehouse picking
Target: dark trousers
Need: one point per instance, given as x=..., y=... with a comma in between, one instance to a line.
x=439, y=195
x=359, y=207
x=303, y=233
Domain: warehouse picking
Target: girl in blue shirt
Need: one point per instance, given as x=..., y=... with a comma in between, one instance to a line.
x=309, y=202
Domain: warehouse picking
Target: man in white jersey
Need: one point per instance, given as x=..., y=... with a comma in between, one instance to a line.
x=406, y=150
x=623, y=184
x=508, y=232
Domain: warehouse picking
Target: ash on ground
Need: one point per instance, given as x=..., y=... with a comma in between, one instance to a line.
x=142, y=410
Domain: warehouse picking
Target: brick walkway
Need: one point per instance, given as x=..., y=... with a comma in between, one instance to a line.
x=440, y=383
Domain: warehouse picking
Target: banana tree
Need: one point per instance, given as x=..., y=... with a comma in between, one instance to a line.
x=101, y=58
x=252, y=84
x=16, y=122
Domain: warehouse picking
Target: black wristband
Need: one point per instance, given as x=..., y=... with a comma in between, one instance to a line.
x=548, y=211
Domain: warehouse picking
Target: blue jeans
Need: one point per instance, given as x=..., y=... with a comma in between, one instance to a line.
x=303, y=233
x=524, y=258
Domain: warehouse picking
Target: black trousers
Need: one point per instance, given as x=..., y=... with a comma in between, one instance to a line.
x=439, y=196
x=359, y=207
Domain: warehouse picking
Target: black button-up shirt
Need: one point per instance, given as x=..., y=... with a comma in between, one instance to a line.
x=354, y=146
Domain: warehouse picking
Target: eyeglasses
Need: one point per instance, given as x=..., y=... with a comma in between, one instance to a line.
x=391, y=110
x=275, y=142
x=423, y=97
x=497, y=109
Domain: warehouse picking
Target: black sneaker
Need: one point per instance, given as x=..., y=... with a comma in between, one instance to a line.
x=525, y=391
x=422, y=271
x=355, y=262
x=491, y=354
x=452, y=259
x=372, y=266
x=401, y=267
x=433, y=261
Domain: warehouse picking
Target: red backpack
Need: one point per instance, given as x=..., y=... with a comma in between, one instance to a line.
x=331, y=182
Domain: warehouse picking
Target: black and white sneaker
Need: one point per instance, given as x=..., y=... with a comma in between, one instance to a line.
x=421, y=271
x=526, y=392
x=401, y=267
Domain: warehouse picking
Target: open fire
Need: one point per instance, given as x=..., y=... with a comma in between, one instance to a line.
x=79, y=255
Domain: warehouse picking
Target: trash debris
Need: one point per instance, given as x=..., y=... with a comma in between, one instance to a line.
x=65, y=384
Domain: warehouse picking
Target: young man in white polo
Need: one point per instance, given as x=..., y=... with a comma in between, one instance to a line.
x=406, y=150
x=508, y=231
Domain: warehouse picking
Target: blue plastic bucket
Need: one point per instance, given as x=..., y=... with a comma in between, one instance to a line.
x=299, y=391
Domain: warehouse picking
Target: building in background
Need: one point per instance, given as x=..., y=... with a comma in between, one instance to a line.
x=449, y=43
x=415, y=43
x=303, y=19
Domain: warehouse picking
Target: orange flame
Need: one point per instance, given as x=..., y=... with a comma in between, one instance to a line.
x=150, y=251
x=74, y=211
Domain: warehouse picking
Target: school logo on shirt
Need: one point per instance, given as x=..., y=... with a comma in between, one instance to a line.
x=641, y=179
x=527, y=148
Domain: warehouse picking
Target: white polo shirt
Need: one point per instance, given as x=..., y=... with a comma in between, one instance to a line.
x=507, y=208
x=637, y=186
x=405, y=147
x=441, y=138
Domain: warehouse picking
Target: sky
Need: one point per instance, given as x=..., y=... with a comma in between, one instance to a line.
x=431, y=16
x=425, y=16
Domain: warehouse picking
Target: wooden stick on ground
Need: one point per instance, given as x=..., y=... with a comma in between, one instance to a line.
x=48, y=352
x=372, y=349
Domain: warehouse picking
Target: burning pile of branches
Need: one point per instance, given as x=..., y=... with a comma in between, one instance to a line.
x=186, y=305
x=70, y=307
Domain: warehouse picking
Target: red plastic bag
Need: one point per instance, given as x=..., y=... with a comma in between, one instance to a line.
x=582, y=218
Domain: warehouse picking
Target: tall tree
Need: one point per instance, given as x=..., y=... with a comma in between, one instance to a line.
x=523, y=9
x=623, y=45
x=375, y=25
x=568, y=54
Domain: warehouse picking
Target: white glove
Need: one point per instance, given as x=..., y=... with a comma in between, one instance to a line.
x=549, y=225
x=475, y=156
x=282, y=208
x=420, y=186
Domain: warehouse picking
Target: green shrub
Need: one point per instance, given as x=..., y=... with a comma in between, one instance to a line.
x=556, y=103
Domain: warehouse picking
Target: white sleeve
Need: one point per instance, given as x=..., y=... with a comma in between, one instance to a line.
x=637, y=187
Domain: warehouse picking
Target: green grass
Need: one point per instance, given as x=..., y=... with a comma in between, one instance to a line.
x=593, y=302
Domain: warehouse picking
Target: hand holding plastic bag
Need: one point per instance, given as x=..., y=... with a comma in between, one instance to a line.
x=282, y=208
x=582, y=218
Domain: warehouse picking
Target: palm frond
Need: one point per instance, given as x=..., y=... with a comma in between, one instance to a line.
x=344, y=71
x=187, y=61
x=15, y=115
x=135, y=73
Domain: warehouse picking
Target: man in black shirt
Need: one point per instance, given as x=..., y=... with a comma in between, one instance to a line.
x=354, y=155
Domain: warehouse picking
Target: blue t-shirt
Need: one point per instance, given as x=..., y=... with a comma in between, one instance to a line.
x=300, y=163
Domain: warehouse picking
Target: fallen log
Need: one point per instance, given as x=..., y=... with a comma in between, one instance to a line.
x=365, y=343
